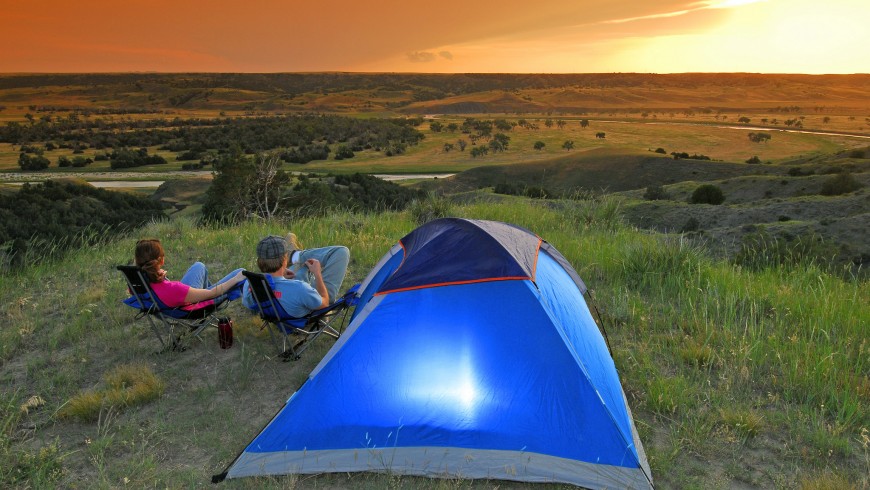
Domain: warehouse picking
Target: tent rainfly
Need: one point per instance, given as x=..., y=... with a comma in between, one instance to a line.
x=472, y=353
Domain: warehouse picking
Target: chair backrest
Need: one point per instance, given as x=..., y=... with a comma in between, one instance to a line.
x=143, y=296
x=264, y=295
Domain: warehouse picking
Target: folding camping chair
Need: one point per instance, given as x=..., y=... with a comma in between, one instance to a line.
x=292, y=335
x=175, y=323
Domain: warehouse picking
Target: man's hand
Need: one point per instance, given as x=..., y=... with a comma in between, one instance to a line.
x=313, y=266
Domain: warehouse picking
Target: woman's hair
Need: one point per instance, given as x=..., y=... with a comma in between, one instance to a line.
x=148, y=255
x=270, y=265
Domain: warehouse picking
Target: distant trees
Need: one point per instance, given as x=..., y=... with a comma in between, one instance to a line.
x=759, y=137
x=568, y=145
x=436, y=126
x=539, y=145
x=744, y=120
x=584, y=123
x=600, y=135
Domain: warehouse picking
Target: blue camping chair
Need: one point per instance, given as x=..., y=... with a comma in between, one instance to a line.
x=292, y=335
x=174, y=323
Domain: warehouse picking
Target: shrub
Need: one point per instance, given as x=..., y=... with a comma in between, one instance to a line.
x=656, y=193
x=342, y=152
x=857, y=154
x=754, y=159
x=707, y=194
x=799, y=172
x=35, y=162
x=840, y=184
x=661, y=150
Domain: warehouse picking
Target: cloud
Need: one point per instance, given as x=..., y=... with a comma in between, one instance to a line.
x=446, y=55
x=421, y=57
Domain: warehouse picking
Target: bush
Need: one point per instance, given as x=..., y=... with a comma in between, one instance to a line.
x=661, y=150
x=707, y=194
x=840, y=184
x=430, y=208
x=33, y=163
x=754, y=159
x=656, y=193
x=799, y=172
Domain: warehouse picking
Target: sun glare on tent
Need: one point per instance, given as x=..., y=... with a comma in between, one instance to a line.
x=447, y=382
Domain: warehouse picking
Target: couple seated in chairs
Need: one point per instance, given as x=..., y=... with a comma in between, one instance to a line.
x=297, y=292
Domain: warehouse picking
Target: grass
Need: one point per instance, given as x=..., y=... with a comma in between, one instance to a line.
x=734, y=375
x=126, y=386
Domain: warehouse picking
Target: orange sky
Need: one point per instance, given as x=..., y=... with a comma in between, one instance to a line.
x=662, y=36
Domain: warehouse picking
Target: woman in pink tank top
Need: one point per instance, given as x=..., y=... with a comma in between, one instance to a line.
x=194, y=290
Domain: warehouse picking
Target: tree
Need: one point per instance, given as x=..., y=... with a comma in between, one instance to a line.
x=560, y=123
x=584, y=123
x=499, y=142
x=744, y=120
x=539, y=145
x=568, y=145
x=436, y=126
x=462, y=144
x=548, y=122
x=448, y=147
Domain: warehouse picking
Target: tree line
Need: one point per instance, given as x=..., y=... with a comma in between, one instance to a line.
x=252, y=135
x=55, y=216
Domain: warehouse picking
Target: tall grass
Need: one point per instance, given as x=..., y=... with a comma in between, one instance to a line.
x=718, y=361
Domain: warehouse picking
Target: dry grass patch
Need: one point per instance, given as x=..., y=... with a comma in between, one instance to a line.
x=126, y=385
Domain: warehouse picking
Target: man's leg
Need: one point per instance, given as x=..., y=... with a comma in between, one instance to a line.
x=333, y=266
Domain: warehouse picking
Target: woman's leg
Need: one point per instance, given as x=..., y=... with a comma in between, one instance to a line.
x=196, y=276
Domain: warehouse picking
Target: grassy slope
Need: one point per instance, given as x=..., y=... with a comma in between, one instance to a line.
x=735, y=378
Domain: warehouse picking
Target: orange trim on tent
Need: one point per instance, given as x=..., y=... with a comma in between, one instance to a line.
x=537, y=254
x=456, y=283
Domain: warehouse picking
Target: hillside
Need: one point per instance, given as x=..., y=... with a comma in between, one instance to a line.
x=785, y=201
x=436, y=93
x=735, y=378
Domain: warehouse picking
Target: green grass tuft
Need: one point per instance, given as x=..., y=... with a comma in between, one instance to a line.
x=126, y=386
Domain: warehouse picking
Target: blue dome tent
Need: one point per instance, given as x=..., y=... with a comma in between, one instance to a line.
x=471, y=354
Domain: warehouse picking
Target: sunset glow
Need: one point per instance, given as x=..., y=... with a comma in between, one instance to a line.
x=662, y=36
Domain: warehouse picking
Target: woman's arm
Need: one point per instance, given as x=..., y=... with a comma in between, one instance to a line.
x=195, y=295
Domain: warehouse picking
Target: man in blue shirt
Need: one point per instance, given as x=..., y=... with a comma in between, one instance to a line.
x=304, y=280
